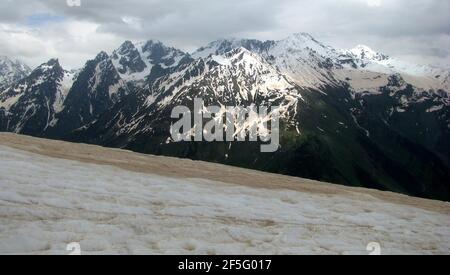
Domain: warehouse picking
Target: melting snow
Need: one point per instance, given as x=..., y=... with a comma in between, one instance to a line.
x=47, y=203
x=10, y=101
x=63, y=89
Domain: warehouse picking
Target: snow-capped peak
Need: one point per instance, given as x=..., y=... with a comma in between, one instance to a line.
x=364, y=52
x=366, y=59
x=42, y=91
x=158, y=53
x=236, y=76
x=135, y=61
x=12, y=70
x=241, y=53
x=48, y=71
x=314, y=64
x=304, y=42
x=13, y=63
x=243, y=61
x=128, y=60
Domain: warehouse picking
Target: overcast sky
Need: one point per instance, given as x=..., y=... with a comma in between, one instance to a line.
x=35, y=31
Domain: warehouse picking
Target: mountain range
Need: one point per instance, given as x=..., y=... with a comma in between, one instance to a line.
x=354, y=117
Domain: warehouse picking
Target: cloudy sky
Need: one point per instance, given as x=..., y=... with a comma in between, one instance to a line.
x=34, y=31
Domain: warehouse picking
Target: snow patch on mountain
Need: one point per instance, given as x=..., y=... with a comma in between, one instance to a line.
x=64, y=86
x=7, y=102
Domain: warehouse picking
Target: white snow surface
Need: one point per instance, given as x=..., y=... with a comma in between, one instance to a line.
x=64, y=86
x=47, y=203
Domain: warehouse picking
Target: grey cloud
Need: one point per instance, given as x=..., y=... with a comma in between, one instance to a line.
x=188, y=24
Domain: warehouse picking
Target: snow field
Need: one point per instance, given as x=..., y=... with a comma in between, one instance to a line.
x=47, y=203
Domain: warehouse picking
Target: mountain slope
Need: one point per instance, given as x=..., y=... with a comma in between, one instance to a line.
x=11, y=71
x=118, y=202
x=300, y=56
x=97, y=87
x=30, y=105
x=235, y=78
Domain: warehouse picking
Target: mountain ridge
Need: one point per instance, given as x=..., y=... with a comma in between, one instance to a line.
x=353, y=117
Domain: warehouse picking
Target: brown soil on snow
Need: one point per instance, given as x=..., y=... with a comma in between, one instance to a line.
x=182, y=168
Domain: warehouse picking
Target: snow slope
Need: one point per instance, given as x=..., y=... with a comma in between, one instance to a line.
x=48, y=202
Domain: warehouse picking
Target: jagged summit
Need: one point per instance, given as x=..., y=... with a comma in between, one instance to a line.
x=50, y=64
x=101, y=56
x=126, y=45
x=241, y=52
x=128, y=59
x=144, y=61
x=152, y=44
x=222, y=46
x=48, y=71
